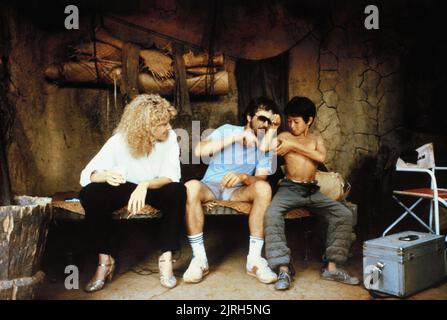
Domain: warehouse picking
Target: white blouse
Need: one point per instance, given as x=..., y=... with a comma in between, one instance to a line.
x=116, y=155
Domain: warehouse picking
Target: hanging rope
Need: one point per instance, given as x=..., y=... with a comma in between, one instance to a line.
x=209, y=42
x=129, y=77
x=114, y=92
x=181, y=91
x=95, y=59
x=108, y=109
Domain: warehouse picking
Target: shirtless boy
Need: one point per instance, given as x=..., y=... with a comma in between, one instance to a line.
x=302, y=152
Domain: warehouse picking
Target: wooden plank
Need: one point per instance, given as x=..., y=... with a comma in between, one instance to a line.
x=15, y=243
x=44, y=226
x=31, y=227
x=23, y=230
x=6, y=289
x=24, y=241
x=209, y=209
x=25, y=288
x=6, y=225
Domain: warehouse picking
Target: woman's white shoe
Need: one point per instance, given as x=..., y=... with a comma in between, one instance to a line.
x=167, y=278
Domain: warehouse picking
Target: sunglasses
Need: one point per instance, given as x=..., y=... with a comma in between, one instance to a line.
x=264, y=119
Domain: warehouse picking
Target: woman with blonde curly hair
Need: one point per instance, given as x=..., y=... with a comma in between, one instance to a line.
x=138, y=165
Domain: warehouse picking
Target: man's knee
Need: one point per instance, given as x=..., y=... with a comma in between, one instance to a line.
x=193, y=188
x=262, y=190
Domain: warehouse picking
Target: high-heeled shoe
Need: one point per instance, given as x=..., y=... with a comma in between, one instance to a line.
x=96, y=285
x=166, y=280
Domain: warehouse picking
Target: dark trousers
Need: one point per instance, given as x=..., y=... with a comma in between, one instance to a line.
x=100, y=200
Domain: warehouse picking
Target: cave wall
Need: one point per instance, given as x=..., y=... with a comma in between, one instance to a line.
x=356, y=78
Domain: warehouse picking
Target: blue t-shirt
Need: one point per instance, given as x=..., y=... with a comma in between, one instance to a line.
x=235, y=157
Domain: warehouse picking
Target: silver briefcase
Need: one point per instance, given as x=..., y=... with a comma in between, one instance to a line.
x=404, y=263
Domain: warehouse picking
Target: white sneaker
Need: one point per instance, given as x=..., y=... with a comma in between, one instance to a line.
x=258, y=267
x=196, y=271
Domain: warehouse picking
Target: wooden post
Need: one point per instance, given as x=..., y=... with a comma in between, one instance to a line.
x=131, y=55
x=22, y=242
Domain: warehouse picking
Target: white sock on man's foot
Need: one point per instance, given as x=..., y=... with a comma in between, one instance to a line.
x=198, y=246
x=255, y=247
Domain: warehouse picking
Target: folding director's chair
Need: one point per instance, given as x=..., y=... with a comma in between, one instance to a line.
x=436, y=196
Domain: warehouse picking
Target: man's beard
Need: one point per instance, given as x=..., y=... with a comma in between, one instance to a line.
x=259, y=133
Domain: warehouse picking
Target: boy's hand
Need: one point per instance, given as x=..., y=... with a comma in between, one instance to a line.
x=284, y=145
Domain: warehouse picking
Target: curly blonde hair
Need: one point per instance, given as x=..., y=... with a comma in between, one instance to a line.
x=140, y=116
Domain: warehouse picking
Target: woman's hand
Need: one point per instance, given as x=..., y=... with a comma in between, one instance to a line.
x=111, y=177
x=114, y=178
x=137, y=199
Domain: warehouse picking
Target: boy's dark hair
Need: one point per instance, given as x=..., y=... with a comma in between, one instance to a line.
x=260, y=103
x=301, y=107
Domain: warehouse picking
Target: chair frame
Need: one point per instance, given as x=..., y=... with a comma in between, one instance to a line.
x=434, y=200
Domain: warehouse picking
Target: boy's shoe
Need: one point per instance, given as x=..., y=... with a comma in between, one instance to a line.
x=258, y=267
x=285, y=278
x=196, y=271
x=339, y=275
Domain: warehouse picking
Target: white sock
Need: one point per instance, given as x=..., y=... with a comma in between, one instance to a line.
x=198, y=246
x=255, y=247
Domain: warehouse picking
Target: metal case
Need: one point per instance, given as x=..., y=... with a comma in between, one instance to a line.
x=404, y=263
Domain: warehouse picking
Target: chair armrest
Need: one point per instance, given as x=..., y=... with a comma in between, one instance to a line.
x=415, y=170
x=440, y=168
x=421, y=170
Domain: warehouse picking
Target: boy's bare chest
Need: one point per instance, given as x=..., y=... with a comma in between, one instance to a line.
x=308, y=143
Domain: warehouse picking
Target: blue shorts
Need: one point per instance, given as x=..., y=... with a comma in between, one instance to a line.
x=219, y=193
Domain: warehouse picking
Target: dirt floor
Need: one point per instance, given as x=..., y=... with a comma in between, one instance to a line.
x=226, y=240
